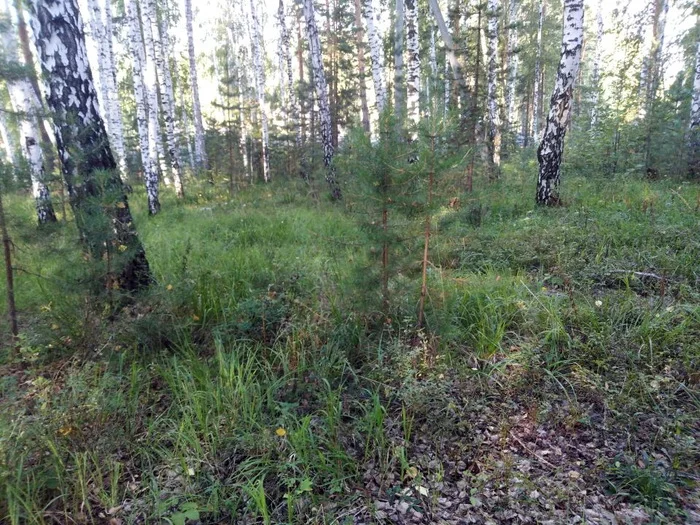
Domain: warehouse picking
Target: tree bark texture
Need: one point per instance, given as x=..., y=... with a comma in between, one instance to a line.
x=200, y=152
x=376, y=53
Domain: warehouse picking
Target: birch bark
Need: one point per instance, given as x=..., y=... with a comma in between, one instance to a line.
x=81, y=139
x=376, y=54
x=536, y=95
x=399, y=91
x=551, y=149
x=322, y=93
x=259, y=75
x=413, y=49
x=359, y=42
x=494, y=131
x=514, y=62
x=694, y=127
x=200, y=153
x=149, y=154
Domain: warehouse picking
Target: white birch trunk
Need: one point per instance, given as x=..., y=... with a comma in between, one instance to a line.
x=551, y=149
x=200, y=153
x=155, y=53
x=27, y=105
x=82, y=142
x=694, y=126
x=376, y=52
x=494, y=132
x=292, y=103
x=149, y=154
x=8, y=144
x=115, y=112
x=399, y=92
x=259, y=75
x=413, y=66
x=359, y=42
x=595, y=74
x=536, y=92
x=514, y=62
x=321, y=86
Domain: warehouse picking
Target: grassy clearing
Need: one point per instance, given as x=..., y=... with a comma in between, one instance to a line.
x=260, y=382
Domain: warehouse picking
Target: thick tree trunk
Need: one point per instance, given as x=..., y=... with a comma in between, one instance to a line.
x=494, y=131
x=359, y=42
x=200, y=153
x=155, y=43
x=28, y=107
x=149, y=156
x=399, y=89
x=413, y=49
x=82, y=142
x=537, y=90
x=259, y=74
x=322, y=94
x=551, y=149
x=376, y=52
x=694, y=128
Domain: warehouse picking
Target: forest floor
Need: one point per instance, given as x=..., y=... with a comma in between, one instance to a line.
x=260, y=380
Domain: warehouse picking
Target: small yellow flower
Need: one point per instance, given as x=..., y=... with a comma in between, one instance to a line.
x=54, y=326
x=121, y=205
x=122, y=248
x=195, y=317
x=66, y=430
x=281, y=432
x=169, y=287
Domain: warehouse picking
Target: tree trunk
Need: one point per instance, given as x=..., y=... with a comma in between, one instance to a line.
x=513, y=63
x=200, y=152
x=9, y=273
x=413, y=49
x=551, y=149
x=376, y=52
x=654, y=73
x=259, y=74
x=155, y=39
x=595, y=74
x=494, y=131
x=399, y=93
x=537, y=90
x=694, y=128
x=359, y=42
x=82, y=142
x=150, y=171
x=28, y=107
x=322, y=94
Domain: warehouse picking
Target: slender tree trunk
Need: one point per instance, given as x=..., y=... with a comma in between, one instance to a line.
x=376, y=52
x=494, y=131
x=149, y=154
x=259, y=74
x=450, y=50
x=359, y=42
x=413, y=49
x=537, y=95
x=200, y=152
x=694, y=127
x=399, y=89
x=155, y=43
x=300, y=66
x=8, y=144
x=513, y=62
x=654, y=77
x=81, y=139
x=29, y=109
x=322, y=94
x=595, y=74
x=9, y=274
x=551, y=149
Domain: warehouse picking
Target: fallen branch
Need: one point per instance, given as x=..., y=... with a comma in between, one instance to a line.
x=641, y=274
x=522, y=444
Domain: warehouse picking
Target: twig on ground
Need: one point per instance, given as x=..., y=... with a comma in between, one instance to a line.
x=522, y=444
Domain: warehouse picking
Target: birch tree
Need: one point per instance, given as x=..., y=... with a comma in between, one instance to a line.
x=376, y=53
x=155, y=47
x=551, y=149
x=413, y=66
x=595, y=73
x=101, y=26
x=255, y=32
x=537, y=90
x=359, y=43
x=694, y=128
x=26, y=104
x=200, y=153
x=399, y=93
x=494, y=132
x=82, y=142
x=514, y=62
x=293, y=108
x=654, y=73
x=321, y=86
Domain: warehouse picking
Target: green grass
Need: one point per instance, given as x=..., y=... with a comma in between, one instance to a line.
x=257, y=380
